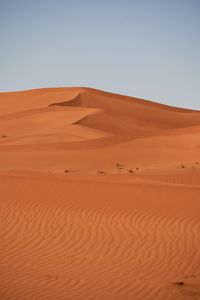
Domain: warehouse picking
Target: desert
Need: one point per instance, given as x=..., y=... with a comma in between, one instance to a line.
x=99, y=197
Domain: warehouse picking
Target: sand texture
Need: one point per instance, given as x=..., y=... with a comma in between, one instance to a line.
x=99, y=197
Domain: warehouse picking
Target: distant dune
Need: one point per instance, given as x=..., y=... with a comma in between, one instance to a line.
x=100, y=197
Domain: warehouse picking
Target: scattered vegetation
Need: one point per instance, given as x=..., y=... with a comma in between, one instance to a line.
x=3, y=136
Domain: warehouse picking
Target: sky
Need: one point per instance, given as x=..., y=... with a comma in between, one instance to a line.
x=144, y=48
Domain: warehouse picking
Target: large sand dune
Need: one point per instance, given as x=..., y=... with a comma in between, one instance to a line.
x=99, y=197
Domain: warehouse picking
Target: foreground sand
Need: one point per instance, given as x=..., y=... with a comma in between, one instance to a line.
x=99, y=197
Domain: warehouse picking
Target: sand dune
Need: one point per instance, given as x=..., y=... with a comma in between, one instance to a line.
x=99, y=197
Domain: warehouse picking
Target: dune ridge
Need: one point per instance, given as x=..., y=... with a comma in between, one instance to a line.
x=99, y=197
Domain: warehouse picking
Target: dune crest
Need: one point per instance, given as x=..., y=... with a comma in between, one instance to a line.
x=119, y=117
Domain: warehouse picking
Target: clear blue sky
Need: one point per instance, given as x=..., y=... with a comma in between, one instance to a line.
x=144, y=48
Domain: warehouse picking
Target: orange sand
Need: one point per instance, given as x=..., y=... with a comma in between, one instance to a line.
x=99, y=197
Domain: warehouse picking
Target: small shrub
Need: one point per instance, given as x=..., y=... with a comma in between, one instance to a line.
x=4, y=136
x=183, y=166
x=179, y=283
x=119, y=166
x=130, y=171
x=137, y=169
x=66, y=171
x=101, y=172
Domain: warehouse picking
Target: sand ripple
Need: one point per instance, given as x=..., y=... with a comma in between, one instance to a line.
x=75, y=253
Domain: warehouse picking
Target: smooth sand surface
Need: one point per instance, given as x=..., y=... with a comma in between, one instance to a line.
x=99, y=197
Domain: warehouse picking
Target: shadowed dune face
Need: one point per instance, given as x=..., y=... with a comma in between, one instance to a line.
x=99, y=197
